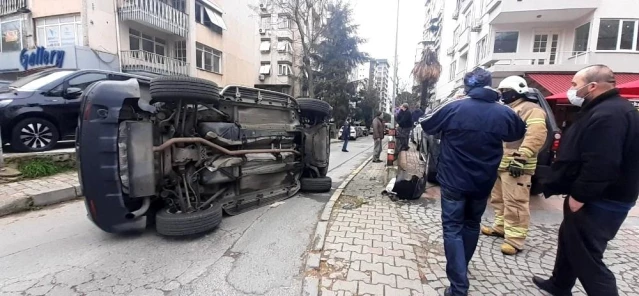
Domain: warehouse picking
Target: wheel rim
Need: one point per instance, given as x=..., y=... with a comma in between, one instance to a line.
x=36, y=135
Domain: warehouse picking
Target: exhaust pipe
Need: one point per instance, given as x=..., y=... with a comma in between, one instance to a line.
x=146, y=203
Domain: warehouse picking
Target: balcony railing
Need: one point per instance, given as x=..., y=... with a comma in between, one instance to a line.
x=11, y=6
x=156, y=14
x=144, y=61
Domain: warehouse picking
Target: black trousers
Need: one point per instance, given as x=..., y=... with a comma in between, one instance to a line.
x=583, y=238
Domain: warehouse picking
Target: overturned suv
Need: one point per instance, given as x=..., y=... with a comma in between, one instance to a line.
x=179, y=152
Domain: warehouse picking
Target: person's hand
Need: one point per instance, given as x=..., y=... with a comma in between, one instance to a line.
x=574, y=205
x=516, y=167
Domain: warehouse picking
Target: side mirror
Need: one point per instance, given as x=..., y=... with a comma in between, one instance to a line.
x=73, y=92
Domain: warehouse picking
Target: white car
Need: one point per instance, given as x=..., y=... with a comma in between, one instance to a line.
x=353, y=135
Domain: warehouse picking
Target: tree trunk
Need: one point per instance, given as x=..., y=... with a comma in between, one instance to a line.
x=424, y=99
x=311, y=82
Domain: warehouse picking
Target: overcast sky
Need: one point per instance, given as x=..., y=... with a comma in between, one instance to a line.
x=376, y=19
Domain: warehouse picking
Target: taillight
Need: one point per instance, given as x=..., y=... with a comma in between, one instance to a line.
x=87, y=110
x=555, y=142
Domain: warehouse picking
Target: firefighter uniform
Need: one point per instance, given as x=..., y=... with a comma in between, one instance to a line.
x=510, y=196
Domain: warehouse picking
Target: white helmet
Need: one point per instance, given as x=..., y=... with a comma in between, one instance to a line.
x=515, y=83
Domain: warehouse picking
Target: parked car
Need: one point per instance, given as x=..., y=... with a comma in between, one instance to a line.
x=428, y=146
x=202, y=151
x=41, y=109
x=353, y=134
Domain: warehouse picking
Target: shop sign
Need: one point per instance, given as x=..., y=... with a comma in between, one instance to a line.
x=41, y=57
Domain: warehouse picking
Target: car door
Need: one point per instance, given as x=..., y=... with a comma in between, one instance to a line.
x=73, y=88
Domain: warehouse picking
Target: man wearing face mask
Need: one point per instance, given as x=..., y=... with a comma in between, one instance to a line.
x=597, y=169
x=511, y=194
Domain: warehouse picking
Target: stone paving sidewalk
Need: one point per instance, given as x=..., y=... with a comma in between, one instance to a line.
x=23, y=195
x=378, y=247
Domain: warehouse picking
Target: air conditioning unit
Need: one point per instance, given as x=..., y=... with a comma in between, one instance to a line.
x=450, y=51
x=475, y=25
x=262, y=77
x=263, y=6
x=262, y=31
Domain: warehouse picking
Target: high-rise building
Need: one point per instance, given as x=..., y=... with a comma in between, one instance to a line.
x=382, y=83
x=217, y=41
x=544, y=41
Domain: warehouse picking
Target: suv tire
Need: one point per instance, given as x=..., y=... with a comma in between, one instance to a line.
x=316, y=185
x=190, y=90
x=314, y=106
x=34, y=135
x=181, y=224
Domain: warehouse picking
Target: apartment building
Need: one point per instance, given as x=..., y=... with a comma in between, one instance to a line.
x=381, y=78
x=545, y=41
x=195, y=38
x=279, y=48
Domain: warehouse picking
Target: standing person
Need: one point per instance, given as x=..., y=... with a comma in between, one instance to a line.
x=511, y=194
x=417, y=113
x=405, y=125
x=346, y=134
x=378, y=135
x=597, y=167
x=472, y=132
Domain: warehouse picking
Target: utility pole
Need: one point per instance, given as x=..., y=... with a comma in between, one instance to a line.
x=390, y=157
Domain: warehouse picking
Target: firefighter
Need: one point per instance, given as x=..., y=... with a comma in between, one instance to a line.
x=510, y=196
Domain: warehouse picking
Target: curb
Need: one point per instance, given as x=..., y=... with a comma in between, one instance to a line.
x=41, y=199
x=311, y=284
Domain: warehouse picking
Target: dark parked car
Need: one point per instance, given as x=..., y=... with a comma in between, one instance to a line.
x=429, y=148
x=41, y=109
x=200, y=152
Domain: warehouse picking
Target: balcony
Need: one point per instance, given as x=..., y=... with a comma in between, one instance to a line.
x=464, y=40
x=285, y=34
x=505, y=64
x=11, y=6
x=143, y=61
x=155, y=14
x=285, y=57
x=543, y=11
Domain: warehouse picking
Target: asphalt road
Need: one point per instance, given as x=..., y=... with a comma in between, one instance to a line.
x=57, y=251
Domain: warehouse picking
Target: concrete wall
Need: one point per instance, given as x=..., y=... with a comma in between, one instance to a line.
x=42, y=8
x=99, y=19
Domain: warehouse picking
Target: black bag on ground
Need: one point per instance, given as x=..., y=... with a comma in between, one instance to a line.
x=409, y=187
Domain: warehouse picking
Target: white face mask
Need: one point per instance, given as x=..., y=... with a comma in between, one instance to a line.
x=574, y=98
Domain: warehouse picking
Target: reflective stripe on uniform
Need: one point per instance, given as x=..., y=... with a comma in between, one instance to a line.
x=499, y=221
x=531, y=163
x=516, y=232
x=532, y=121
x=526, y=151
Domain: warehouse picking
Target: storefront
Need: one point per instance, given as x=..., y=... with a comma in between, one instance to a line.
x=16, y=64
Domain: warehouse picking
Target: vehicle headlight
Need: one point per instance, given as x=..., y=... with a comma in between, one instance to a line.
x=4, y=103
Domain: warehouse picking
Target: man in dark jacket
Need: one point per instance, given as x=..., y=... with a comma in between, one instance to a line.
x=417, y=113
x=346, y=134
x=405, y=123
x=472, y=130
x=597, y=168
x=378, y=135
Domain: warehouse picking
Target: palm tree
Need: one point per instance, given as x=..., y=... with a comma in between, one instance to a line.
x=426, y=73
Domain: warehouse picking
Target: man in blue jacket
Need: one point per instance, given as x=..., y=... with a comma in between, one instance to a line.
x=473, y=129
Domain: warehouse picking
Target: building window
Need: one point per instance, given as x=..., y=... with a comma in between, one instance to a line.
x=506, y=42
x=456, y=36
x=180, y=50
x=284, y=22
x=284, y=70
x=208, y=59
x=148, y=43
x=618, y=35
x=482, y=49
x=59, y=31
x=11, y=35
x=582, y=34
x=540, y=43
x=284, y=46
x=453, y=71
x=265, y=23
x=210, y=17
x=265, y=46
x=265, y=69
x=463, y=60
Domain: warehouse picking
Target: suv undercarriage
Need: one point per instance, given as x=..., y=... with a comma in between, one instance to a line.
x=195, y=151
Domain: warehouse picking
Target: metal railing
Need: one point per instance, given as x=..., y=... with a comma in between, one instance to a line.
x=139, y=60
x=541, y=59
x=11, y=6
x=155, y=13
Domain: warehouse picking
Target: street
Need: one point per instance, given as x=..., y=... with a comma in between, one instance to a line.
x=58, y=251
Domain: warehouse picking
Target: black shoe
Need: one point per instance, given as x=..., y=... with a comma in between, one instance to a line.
x=377, y=161
x=549, y=287
x=344, y=150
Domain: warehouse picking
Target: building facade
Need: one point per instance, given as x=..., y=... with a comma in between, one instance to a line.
x=381, y=78
x=194, y=38
x=544, y=41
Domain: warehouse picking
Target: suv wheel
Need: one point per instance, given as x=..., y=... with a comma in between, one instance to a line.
x=171, y=223
x=190, y=90
x=33, y=135
x=316, y=185
x=317, y=107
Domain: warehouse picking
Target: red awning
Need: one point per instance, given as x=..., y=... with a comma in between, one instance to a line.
x=558, y=84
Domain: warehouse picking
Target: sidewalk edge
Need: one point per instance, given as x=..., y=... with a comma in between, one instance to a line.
x=311, y=283
x=40, y=200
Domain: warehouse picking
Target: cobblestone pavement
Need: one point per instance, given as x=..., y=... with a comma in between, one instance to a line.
x=10, y=192
x=387, y=248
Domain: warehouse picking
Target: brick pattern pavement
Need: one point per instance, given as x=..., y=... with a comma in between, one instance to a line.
x=387, y=248
x=10, y=192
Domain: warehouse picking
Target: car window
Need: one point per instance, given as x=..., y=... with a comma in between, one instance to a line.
x=38, y=80
x=84, y=80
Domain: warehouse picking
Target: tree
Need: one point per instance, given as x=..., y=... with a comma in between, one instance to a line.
x=426, y=73
x=309, y=19
x=336, y=56
x=368, y=106
x=406, y=97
